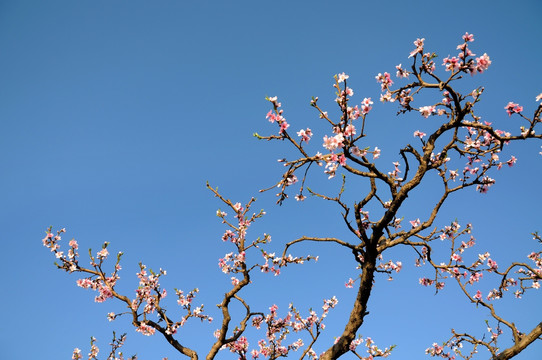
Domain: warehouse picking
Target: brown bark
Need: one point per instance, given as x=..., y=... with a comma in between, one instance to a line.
x=358, y=312
x=525, y=341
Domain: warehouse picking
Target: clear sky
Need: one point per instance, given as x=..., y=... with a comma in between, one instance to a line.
x=114, y=114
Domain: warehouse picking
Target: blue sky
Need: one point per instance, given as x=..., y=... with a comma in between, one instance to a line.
x=114, y=114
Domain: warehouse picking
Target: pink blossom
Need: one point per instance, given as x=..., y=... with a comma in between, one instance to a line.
x=350, y=130
x=145, y=329
x=453, y=174
x=426, y=281
x=447, y=99
x=396, y=170
x=456, y=257
x=426, y=111
x=104, y=293
x=366, y=105
x=513, y=108
x=401, y=73
x=76, y=354
x=357, y=152
x=386, y=97
x=494, y=294
x=291, y=179
x=468, y=37
x=355, y=343
x=486, y=182
x=330, y=304
x=415, y=223
x=271, y=116
x=390, y=265
x=331, y=168
x=84, y=283
x=342, y=77
x=305, y=134
x=436, y=350
x=283, y=126
x=482, y=63
x=353, y=112
x=539, y=97
x=452, y=64
x=229, y=235
x=102, y=254
x=419, y=134
x=329, y=143
x=333, y=142
x=384, y=80
x=342, y=160
x=238, y=208
x=492, y=264
x=525, y=131
x=274, y=101
x=475, y=277
x=350, y=283
x=419, y=47
x=376, y=153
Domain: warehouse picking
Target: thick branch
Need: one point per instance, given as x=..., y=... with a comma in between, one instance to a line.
x=358, y=311
x=525, y=341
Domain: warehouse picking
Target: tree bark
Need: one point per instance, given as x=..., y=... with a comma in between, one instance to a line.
x=525, y=341
x=358, y=312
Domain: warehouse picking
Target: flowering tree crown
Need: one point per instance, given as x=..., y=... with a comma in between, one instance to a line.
x=461, y=137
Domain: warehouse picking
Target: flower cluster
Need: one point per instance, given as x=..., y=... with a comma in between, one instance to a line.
x=513, y=108
x=372, y=350
x=276, y=115
x=231, y=262
x=278, y=328
x=391, y=266
x=148, y=293
x=239, y=347
x=146, y=330
x=305, y=134
x=471, y=274
x=104, y=288
x=384, y=80
x=462, y=63
x=419, y=47
x=466, y=136
x=51, y=241
x=438, y=350
x=273, y=263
